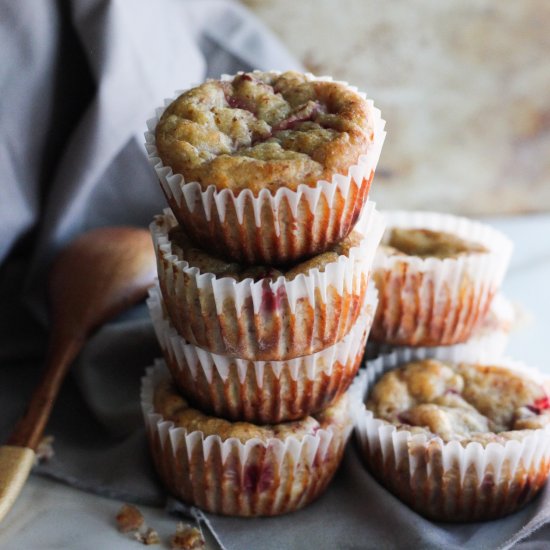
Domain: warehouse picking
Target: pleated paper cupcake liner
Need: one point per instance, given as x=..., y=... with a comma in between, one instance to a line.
x=268, y=319
x=264, y=392
x=487, y=342
x=270, y=228
x=255, y=478
x=449, y=481
x=437, y=302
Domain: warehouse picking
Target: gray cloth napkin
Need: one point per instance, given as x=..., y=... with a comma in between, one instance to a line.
x=78, y=81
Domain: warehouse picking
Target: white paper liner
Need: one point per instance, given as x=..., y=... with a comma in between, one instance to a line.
x=431, y=301
x=243, y=479
x=266, y=320
x=448, y=481
x=264, y=392
x=292, y=224
x=488, y=342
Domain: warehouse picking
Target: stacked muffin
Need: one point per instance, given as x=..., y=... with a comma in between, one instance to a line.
x=264, y=304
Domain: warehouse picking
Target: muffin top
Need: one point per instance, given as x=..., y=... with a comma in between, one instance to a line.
x=172, y=406
x=264, y=130
x=460, y=402
x=186, y=250
x=426, y=243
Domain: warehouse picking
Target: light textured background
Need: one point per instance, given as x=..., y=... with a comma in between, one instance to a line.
x=464, y=86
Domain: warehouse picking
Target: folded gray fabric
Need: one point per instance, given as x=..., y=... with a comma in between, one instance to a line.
x=79, y=81
x=357, y=512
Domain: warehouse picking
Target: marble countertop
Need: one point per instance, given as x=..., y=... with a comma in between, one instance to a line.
x=49, y=515
x=472, y=139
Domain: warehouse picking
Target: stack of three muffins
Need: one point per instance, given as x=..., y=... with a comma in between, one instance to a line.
x=264, y=304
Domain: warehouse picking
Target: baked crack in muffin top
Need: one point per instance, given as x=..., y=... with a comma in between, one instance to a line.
x=460, y=402
x=173, y=407
x=426, y=243
x=186, y=250
x=264, y=130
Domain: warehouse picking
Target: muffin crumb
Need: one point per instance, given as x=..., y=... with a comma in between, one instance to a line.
x=129, y=518
x=187, y=538
x=147, y=537
x=44, y=451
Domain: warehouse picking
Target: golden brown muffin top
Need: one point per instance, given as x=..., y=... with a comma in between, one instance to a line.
x=462, y=402
x=186, y=250
x=264, y=130
x=426, y=243
x=172, y=406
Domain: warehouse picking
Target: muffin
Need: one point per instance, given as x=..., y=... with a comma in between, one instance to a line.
x=263, y=313
x=238, y=468
x=488, y=341
x=455, y=441
x=261, y=391
x=267, y=167
x=436, y=276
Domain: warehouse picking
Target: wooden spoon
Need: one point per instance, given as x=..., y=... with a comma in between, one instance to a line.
x=99, y=275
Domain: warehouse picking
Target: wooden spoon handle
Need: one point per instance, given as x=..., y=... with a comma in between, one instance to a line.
x=17, y=457
x=15, y=465
x=29, y=429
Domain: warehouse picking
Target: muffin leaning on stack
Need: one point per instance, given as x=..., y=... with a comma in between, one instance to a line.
x=263, y=268
x=438, y=278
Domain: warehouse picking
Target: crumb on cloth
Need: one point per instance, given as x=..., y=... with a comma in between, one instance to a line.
x=44, y=451
x=129, y=518
x=147, y=537
x=187, y=538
